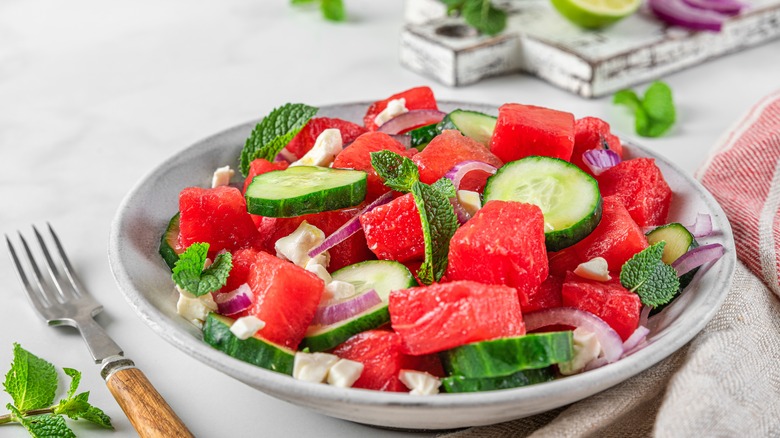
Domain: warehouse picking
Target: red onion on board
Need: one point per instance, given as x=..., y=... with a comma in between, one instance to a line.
x=680, y=13
x=334, y=312
x=728, y=7
x=410, y=120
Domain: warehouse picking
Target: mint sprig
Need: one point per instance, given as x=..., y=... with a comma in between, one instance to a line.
x=189, y=274
x=398, y=172
x=273, y=133
x=479, y=14
x=654, y=114
x=32, y=384
x=646, y=274
x=332, y=10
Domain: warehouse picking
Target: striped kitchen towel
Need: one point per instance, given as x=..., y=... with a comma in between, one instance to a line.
x=726, y=381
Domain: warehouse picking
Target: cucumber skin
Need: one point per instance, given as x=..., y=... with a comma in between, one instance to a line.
x=500, y=357
x=475, y=384
x=254, y=350
x=167, y=250
x=674, y=226
x=332, y=199
x=343, y=274
x=371, y=319
x=423, y=135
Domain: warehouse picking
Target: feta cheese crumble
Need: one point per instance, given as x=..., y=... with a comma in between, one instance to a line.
x=586, y=348
x=394, y=108
x=324, y=151
x=313, y=367
x=222, y=176
x=470, y=201
x=296, y=246
x=246, y=326
x=594, y=269
x=419, y=382
x=195, y=309
x=344, y=373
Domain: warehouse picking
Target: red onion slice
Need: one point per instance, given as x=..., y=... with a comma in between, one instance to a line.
x=697, y=257
x=611, y=343
x=349, y=228
x=230, y=303
x=460, y=170
x=728, y=7
x=341, y=310
x=410, y=120
x=599, y=160
x=680, y=13
x=461, y=213
x=644, y=315
x=285, y=155
x=639, y=335
x=702, y=227
x=404, y=139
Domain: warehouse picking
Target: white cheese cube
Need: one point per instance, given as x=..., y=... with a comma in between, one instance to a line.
x=419, y=382
x=394, y=108
x=246, y=326
x=586, y=348
x=318, y=270
x=470, y=201
x=222, y=176
x=594, y=269
x=344, y=373
x=313, y=367
x=324, y=151
x=195, y=309
x=296, y=246
x=338, y=290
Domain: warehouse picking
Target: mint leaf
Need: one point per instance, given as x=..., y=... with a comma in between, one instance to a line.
x=445, y=187
x=333, y=10
x=75, y=379
x=31, y=382
x=646, y=274
x=78, y=407
x=301, y=2
x=399, y=172
x=439, y=224
x=188, y=272
x=654, y=114
x=273, y=133
x=483, y=16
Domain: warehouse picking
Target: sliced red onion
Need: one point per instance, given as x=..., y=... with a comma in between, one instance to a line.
x=639, y=335
x=728, y=7
x=642, y=344
x=460, y=170
x=702, y=227
x=230, y=303
x=611, y=343
x=404, y=139
x=697, y=257
x=341, y=310
x=410, y=120
x=644, y=315
x=599, y=160
x=596, y=363
x=460, y=212
x=680, y=13
x=350, y=227
x=285, y=155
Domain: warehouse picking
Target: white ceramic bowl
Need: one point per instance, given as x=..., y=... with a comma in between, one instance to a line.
x=146, y=283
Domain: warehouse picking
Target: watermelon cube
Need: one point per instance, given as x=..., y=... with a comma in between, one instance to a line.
x=416, y=99
x=609, y=300
x=546, y=296
x=525, y=130
x=593, y=133
x=502, y=244
x=304, y=140
x=642, y=189
x=243, y=259
x=441, y=316
x=394, y=230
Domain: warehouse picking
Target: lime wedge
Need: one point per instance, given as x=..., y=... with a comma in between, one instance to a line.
x=593, y=14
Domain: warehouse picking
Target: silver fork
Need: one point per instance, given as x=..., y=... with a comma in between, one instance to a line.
x=69, y=303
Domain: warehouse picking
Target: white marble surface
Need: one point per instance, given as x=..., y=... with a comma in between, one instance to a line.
x=93, y=94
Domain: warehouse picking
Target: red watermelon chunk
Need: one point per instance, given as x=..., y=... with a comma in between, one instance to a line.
x=394, y=230
x=441, y=316
x=381, y=353
x=592, y=133
x=609, y=300
x=416, y=99
x=243, y=259
x=616, y=238
x=304, y=141
x=358, y=156
x=502, y=244
x=285, y=298
x=448, y=149
x=218, y=217
x=546, y=296
x=525, y=130
x=641, y=187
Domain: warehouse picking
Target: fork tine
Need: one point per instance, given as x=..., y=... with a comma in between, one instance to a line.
x=37, y=299
x=68, y=268
x=65, y=293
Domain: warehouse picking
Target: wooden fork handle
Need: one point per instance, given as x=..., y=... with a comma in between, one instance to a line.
x=144, y=406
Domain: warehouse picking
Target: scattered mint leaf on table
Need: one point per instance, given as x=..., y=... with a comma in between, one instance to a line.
x=332, y=10
x=399, y=172
x=646, y=274
x=654, y=114
x=479, y=14
x=272, y=134
x=189, y=274
x=31, y=382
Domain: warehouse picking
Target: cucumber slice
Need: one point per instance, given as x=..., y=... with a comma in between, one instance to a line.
x=504, y=356
x=383, y=276
x=476, y=125
x=423, y=135
x=321, y=338
x=475, y=384
x=170, y=241
x=569, y=198
x=254, y=350
x=301, y=190
x=678, y=241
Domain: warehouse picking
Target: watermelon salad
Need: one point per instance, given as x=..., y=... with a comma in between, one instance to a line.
x=421, y=251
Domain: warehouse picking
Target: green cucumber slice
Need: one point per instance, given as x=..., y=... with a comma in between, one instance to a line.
x=423, y=135
x=500, y=357
x=569, y=198
x=170, y=241
x=678, y=241
x=473, y=124
x=300, y=190
x=518, y=379
x=254, y=350
x=383, y=276
x=321, y=338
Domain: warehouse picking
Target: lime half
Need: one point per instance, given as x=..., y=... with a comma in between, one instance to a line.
x=593, y=14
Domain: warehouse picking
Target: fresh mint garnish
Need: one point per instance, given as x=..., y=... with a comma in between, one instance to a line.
x=399, y=172
x=32, y=384
x=439, y=224
x=646, y=274
x=479, y=14
x=445, y=187
x=655, y=113
x=332, y=10
x=273, y=133
x=188, y=272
